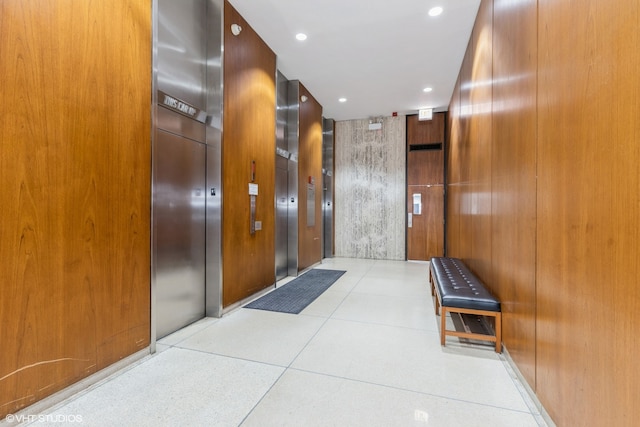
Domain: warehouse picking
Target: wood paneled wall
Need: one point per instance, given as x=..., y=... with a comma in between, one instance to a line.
x=513, y=179
x=75, y=168
x=588, y=256
x=460, y=149
x=477, y=214
x=469, y=152
x=452, y=179
x=310, y=165
x=560, y=110
x=248, y=135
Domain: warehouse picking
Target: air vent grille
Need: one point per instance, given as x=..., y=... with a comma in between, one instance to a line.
x=427, y=147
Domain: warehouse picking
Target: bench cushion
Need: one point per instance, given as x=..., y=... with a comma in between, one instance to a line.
x=459, y=287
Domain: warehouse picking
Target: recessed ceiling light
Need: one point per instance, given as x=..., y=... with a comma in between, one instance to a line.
x=427, y=89
x=301, y=36
x=435, y=11
x=342, y=100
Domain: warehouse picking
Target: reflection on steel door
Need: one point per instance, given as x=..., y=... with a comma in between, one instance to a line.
x=327, y=213
x=282, y=227
x=179, y=221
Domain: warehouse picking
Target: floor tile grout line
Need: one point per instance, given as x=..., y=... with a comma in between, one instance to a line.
x=319, y=328
x=406, y=296
x=362, y=277
x=331, y=317
x=362, y=322
x=354, y=291
x=277, y=378
x=409, y=390
x=326, y=319
x=284, y=369
x=177, y=345
x=216, y=320
x=253, y=408
x=288, y=367
x=226, y=356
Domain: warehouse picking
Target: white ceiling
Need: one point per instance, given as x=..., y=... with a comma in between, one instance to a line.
x=379, y=54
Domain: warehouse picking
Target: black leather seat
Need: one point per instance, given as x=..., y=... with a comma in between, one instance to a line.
x=460, y=288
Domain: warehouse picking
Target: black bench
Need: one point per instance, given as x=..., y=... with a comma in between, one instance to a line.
x=458, y=290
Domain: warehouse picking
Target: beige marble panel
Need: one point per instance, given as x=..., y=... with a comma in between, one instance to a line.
x=370, y=182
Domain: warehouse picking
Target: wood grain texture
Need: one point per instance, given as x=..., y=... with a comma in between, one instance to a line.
x=309, y=165
x=588, y=256
x=249, y=135
x=425, y=238
x=462, y=147
x=425, y=167
x=452, y=172
x=513, y=180
x=469, y=167
x=425, y=176
x=75, y=194
x=480, y=138
x=565, y=196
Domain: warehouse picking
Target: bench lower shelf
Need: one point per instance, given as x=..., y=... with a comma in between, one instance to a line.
x=444, y=332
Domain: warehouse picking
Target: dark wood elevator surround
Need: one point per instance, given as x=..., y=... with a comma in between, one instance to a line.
x=75, y=196
x=544, y=195
x=425, y=176
x=248, y=135
x=309, y=166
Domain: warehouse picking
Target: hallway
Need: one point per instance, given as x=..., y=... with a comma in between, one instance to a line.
x=365, y=353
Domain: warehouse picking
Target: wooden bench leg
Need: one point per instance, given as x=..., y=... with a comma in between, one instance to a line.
x=499, y=333
x=433, y=286
x=432, y=281
x=443, y=325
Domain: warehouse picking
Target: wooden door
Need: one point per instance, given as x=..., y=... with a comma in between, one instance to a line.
x=425, y=187
x=425, y=228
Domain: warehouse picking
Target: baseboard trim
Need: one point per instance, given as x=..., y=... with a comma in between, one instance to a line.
x=525, y=389
x=78, y=388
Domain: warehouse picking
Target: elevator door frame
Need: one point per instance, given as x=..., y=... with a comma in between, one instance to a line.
x=187, y=64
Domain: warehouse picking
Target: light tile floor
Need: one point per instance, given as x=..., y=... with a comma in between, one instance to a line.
x=365, y=353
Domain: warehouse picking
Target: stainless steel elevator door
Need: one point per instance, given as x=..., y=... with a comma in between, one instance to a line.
x=179, y=221
x=282, y=227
